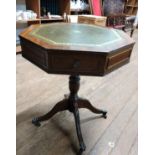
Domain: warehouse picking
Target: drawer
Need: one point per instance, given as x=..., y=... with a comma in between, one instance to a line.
x=118, y=59
x=34, y=53
x=75, y=63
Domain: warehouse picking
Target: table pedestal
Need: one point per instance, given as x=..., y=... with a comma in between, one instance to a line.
x=72, y=104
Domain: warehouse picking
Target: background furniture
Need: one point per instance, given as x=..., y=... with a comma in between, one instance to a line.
x=114, y=9
x=92, y=19
x=131, y=24
x=115, y=19
x=97, y=17
x=42, y=7
x=72, y=19
x=131, y=11
x=55, y=7
x=131, y=7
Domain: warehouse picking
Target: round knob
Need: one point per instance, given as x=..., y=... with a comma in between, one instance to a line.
x=76, y=64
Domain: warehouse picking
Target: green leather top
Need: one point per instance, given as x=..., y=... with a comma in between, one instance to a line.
x=75, y=34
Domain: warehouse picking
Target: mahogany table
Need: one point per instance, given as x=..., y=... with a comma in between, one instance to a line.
x=75, y=49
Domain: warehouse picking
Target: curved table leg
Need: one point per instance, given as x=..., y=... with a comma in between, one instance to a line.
x=60, y=106
x=71, y=103
x=83, y=103
x=78, y=128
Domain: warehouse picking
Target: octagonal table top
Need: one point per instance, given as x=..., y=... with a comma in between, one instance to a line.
x=72, y=36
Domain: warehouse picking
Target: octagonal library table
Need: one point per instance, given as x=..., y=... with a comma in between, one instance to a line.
x=75, y=49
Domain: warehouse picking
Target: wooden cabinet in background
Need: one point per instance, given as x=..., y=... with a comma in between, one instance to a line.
x=131, y=7
x=55, y=7
x=42, y=7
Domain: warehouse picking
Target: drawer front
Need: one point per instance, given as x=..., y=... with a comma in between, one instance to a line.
x=118, y=59
x=34, y=53
x=75, y=63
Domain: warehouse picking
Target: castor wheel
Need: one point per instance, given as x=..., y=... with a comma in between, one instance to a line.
x=82, y=147
x=104, y=113
x=36, y=122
